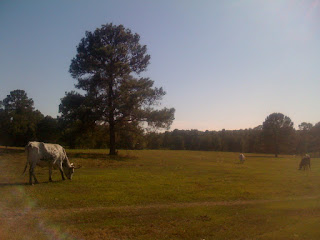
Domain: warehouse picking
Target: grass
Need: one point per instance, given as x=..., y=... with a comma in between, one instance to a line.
x=153, y=194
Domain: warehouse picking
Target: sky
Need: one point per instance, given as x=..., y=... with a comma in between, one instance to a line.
x=223, y=64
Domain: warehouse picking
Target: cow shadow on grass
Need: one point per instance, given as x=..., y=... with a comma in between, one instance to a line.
x=13, y=184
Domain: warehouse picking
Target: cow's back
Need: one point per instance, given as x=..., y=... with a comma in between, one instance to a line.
x=37, y=151
x=55, y=151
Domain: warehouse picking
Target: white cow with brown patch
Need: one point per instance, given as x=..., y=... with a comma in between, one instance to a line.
x=46, y=154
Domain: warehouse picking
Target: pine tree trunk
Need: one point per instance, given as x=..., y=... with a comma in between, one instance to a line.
x=112, y=140
x=111, y=119
x=276, y=142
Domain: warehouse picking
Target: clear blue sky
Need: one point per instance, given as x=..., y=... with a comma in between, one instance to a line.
x=223, y=64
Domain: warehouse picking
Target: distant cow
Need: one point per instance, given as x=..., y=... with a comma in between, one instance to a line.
x=305, y=163
x=45, y=154
x=242, y=158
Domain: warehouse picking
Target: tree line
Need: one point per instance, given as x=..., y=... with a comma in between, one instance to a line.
x=20, y=122
x=118, y=108
x=305, y=139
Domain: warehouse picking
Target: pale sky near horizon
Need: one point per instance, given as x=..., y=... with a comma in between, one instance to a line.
x=223, y=64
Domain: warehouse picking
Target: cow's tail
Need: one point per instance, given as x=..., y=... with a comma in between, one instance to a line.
x=25, y=168
x=27, y=151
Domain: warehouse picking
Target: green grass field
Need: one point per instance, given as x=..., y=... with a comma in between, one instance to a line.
x=162, y=195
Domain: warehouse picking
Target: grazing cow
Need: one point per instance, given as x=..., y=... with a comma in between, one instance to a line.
x=242, y=158
x=305, y=163
x=45, y=154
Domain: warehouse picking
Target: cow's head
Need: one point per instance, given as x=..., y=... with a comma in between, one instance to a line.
x=69, y=170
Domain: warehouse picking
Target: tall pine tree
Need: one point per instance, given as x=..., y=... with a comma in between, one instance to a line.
x=108, y=65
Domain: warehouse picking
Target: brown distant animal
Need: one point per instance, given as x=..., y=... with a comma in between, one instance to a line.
x=305, y=163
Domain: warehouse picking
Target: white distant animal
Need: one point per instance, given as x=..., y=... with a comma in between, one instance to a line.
x=242, y=158
x=46, y=154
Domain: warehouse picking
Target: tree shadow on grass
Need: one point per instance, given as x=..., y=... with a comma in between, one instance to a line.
x=102, y=156
x=10, y=150
x=259, y=156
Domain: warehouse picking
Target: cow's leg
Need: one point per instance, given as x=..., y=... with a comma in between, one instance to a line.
x=310, y=165
x=31, y=172
x=301, y=165
x=50, y=171
x=62, y=174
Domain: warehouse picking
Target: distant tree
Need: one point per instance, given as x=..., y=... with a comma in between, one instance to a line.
x=154, y=140
x=253, y=141
x=216, y=141
x=166, y=140
x=48, y=130
x=277, y=129
x=18, y=102
x=315, y=136
x=305, y=126
x=130, y=136
x=193, y=139
x=304, y=138
x=258, y=128
x=176, y=140
x=5, y=136
x=77, y=121
x=107, y=65
x=19, y=119
x=76, y=107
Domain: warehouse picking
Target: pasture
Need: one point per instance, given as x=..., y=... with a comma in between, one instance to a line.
x=159, y=194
